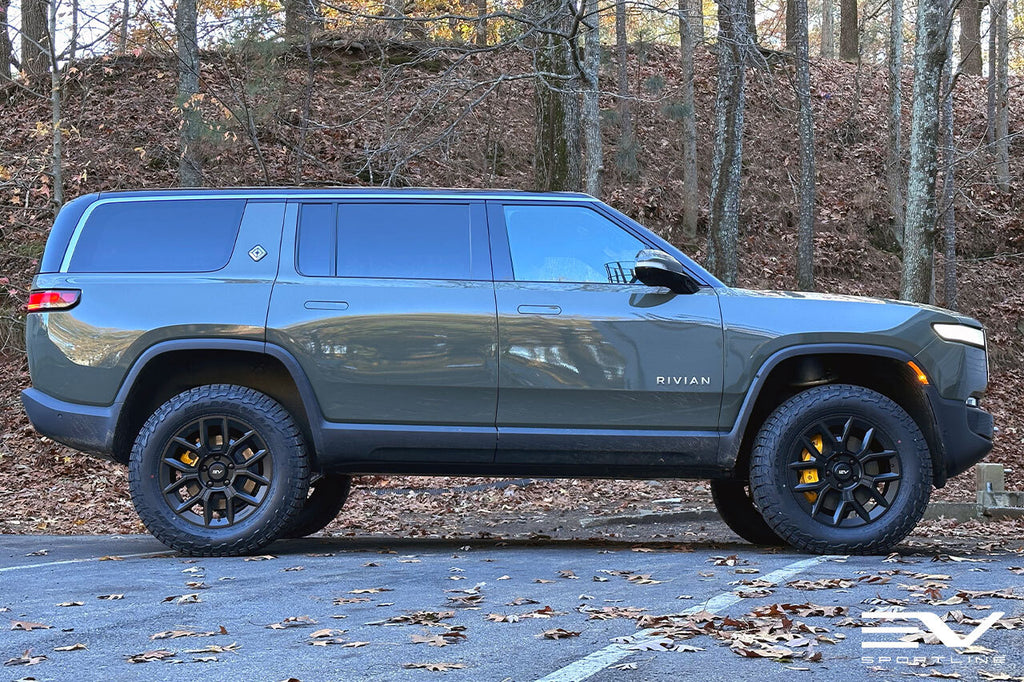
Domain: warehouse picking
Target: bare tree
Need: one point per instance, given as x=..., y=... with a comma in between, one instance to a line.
x=734, y=47
x=687, y=46
x=122, y=41
x=805, y=130
x=190, y=170
x=627, y=152
x=970, y=36
x=556, y=157
x=481, y=23
x=919, y=231
x=1002, y=129
x=750, y=14
x=949, y=154
x=6, y=49
x=828, y=30
x=57, y=150
x=591, y=119
x=790, y=25
x=993, y=58
x=34, y=60
x=696, y=14
x=299, y=16
x=849, y=34
x=894, y=177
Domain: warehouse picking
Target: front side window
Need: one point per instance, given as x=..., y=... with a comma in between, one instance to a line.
x=387, y=240
x=179, y=235
x=568, y=244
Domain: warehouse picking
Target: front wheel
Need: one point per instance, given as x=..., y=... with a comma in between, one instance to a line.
x=841, y=469
x=218, y=470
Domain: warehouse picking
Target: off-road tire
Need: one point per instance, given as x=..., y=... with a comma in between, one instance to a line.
x=327, y=495
x=736, y=507
x=285, y=494
x=771, y=476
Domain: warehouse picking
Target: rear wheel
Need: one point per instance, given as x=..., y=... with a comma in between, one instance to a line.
x=327, y=495
x=218, y=470
x=841, y=469
x=735, y=505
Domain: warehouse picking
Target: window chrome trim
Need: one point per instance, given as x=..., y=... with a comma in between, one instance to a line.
x=300, y=195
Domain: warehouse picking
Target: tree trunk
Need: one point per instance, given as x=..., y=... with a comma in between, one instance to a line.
x=687, y=45
x=556, y=157
x=949, y=181
x=791, y=37
x=751, y=14
x=894, y=155
x=481, y=23
x=696, y=17
x=1002, y=131
x=73, y=38
x=591, y=103
x=299, y=16
x=190, y=170
x=57, y=152
x=993, y=58
x=627, y=152
x=34, y=60
x=734, y=46
x=805, y=128
x=849, y=49
x=6, y=49
x=970, y=37
x=828, y=30
x=122, y=42
x=919, y=231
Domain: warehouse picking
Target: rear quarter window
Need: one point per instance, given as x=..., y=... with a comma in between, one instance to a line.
x=183, y=235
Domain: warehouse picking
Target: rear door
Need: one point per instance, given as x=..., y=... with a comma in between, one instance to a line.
x=594, y=368
x=389, y=308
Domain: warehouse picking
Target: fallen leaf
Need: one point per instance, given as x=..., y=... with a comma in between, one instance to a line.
x=26, y=659
x=147, y=656
x=558, y=633
x=434, y=667
x=262, y=557
x=111, y=597
x=28, y=625
x=71, y=647
x=292, y=622
x=71, y=603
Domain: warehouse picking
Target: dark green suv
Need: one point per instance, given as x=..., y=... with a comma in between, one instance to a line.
x=245, y=352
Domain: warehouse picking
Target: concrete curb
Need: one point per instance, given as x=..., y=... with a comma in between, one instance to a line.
x=958, y=511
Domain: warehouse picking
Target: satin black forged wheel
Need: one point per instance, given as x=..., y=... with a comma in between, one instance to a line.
x=841, y=469
x=219, y=470
x=735, y=505
x=327, y=495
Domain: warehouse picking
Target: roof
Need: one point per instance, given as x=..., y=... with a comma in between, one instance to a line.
x=322, y=192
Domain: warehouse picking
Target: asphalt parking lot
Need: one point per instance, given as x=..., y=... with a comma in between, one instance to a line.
x=343, y=609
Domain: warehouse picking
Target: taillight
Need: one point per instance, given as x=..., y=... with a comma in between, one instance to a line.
x=52, y=299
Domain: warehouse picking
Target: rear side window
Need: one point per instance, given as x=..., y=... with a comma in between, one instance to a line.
x=186, y=235
x=389, y=240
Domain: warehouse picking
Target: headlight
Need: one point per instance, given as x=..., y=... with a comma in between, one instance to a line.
x=961, y=333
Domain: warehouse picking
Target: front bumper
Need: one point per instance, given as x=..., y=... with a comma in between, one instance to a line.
x=966, y=434
x=84, y=427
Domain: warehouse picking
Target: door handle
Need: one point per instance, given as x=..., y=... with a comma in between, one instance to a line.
x=539, y=310
x=326, y=305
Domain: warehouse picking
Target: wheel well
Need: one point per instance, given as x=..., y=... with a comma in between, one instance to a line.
x=168, y=374
x=890, y=377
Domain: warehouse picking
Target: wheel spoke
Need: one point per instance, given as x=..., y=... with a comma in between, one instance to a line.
x=235, y=445
x=811, y=463
x=189, y=503
x=225, y=443
x=207, y=507
x=887, y=477
x=191, y=447
x=827, y=437
x=816, y=507
x=845, y=438
x=247, y=498
x=179, y=465
x=256, y=457
x=866, y=443
x=840, y=513
x=175, y=485
x=878, y=497
x=868, y=456
x=204, y=436
x=810, y=487
x=859, y=508
x=262, y=480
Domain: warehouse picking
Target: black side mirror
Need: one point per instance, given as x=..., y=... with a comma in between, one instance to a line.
x=656, y=268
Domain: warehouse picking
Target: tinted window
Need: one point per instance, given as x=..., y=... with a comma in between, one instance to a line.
x=188, y=235
x=416, y=241
x=316, y=239
x=568, y=244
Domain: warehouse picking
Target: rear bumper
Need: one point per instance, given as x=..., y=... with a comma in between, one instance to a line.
x=966, y=434
x=84, y=427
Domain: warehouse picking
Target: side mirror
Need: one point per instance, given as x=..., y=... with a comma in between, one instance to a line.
x=656, y=268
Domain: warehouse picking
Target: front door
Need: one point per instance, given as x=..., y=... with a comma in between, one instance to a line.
x=594, y=368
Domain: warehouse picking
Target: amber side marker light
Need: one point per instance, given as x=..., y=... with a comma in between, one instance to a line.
x=52, y=299
x=921, y=376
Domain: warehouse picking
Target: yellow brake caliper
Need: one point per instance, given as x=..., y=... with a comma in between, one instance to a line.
x=810, y=475
x=193, y=459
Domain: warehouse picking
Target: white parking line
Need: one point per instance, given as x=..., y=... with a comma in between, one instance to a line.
x=81, y=561
x=613, y=653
